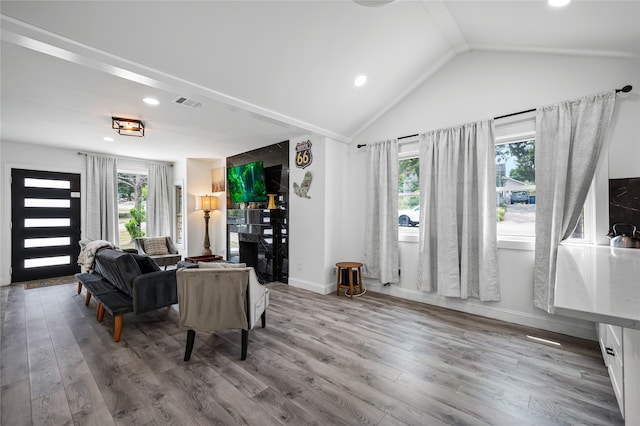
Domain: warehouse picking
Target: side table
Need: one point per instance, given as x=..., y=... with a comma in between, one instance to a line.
x=196, y=259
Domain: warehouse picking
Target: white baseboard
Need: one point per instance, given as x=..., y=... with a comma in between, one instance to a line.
x=311, y=286
x=555, y=323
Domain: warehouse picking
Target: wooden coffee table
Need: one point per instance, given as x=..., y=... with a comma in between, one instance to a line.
x=196, y=259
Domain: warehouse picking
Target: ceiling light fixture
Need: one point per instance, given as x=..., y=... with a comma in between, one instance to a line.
x=360, y=80
x=127, y=126
x=150, y=101
x=107, y=139
x=559, y=3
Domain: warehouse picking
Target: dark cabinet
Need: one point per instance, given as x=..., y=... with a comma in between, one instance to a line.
x=259, y=238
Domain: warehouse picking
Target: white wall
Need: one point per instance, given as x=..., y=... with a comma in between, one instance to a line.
x=316, y=224
x=306, y=219
x=479, y=85
x=198, y=182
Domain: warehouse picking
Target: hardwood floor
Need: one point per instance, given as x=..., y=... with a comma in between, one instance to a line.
x=323, y=360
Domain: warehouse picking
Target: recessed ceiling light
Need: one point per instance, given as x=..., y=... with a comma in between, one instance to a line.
x=360, y=80
x=151, y=101
x=373, y=3
x=108, y=139
x=559, y=3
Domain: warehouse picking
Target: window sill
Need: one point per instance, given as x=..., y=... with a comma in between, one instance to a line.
x=509, y=243
x=408, y=235
x=517, y=243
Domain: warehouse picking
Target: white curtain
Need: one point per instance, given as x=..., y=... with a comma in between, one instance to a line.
x=102, y=199
x=159, y=200
x=381, y=221
x=458, y=243
x=569, y=138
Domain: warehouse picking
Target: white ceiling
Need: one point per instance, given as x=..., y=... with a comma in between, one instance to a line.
x=266, y=71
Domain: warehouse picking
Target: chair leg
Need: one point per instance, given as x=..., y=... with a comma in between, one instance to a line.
x=117, y=330
x=191, y=337
x=245, y=343
x=263, y=317
x=79, y=287
x=87, y=298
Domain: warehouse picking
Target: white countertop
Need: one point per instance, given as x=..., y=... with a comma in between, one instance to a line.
x=599, y=283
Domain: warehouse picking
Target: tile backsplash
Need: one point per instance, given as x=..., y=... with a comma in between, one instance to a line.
x=624, y=201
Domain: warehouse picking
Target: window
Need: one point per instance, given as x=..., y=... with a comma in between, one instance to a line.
x=516, y=191
x=409, y=192
x=132, y=198
x=178, y=219
x=516, y=188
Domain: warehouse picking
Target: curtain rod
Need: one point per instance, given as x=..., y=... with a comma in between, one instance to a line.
x=126, y=158
x=625, y=89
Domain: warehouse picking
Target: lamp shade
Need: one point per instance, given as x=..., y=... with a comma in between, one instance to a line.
x=207, y=202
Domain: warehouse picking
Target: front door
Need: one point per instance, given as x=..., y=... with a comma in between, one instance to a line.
x=45, y=224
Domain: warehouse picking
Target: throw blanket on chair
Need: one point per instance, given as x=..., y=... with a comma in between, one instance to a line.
x=87, y=256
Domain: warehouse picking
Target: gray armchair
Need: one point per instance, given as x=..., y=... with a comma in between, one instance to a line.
x=160, y=249
x=215, y=299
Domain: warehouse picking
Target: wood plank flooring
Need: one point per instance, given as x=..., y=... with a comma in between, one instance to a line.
x=323, y=360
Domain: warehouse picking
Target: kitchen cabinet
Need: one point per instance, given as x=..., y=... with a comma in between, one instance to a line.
x=610, y=337
x=621, y=352
x=602, y=284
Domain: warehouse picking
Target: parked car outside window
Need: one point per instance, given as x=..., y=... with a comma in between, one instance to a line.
x=519, y=197
x=410, y=217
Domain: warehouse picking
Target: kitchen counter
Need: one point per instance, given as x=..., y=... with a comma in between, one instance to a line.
x=599, y=283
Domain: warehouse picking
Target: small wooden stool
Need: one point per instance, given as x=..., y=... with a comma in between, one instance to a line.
x=349, y=267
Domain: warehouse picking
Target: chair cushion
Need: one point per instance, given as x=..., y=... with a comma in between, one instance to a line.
x=155, y=246
x=221, y=265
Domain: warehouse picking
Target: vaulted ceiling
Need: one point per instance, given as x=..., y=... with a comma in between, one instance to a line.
x=264, y=71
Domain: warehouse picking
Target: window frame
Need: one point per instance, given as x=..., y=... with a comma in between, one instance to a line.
x=129, y=169
x=596, y=216
x=522, y=242
x=596, y=206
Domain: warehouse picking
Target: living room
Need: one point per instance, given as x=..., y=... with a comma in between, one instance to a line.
x=475, y=82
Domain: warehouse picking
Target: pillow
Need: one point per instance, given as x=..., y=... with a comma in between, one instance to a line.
x=221, y=265
x=146, y=264
x=155, y=246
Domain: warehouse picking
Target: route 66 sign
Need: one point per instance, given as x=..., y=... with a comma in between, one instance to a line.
x=303, y=154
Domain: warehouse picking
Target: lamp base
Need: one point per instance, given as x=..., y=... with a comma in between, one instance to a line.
x=272, y=201
x=206, y=252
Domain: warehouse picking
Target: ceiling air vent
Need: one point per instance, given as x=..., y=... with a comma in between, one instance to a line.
x=188, y=102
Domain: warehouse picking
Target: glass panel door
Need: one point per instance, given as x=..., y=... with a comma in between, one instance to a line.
x=45, y=224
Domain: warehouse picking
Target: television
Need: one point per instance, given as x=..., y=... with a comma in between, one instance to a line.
x=246, y=183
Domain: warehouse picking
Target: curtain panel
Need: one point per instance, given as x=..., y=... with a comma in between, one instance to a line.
x=159, y=200
x=102, y=199
x=569, y=139
x=458, y=243
x=381, y=221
